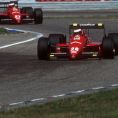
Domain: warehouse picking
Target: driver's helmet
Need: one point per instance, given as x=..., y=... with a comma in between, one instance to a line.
x=11, y=4
x=78, y=31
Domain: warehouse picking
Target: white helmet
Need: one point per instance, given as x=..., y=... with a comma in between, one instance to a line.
x=77, y=30
x=11, y=4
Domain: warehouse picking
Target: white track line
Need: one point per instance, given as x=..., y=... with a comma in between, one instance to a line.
x=97, y=88
x=21, y=42
x=38, y=99
x=38, y=35
x=113, y=85
x=79, y=91
x=12, y=104
x=61, y=95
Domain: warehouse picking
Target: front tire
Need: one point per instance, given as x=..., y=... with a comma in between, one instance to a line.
x=43, y=49
x=56, y=39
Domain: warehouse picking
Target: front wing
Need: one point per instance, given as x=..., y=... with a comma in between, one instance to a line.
x=25, y=17
x=89, y=51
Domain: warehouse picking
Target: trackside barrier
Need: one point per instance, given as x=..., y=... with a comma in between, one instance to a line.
x=72, y=6
x=69, y=0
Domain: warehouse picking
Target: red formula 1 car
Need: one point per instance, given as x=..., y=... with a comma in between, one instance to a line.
x=10, y=11
x=85, y=41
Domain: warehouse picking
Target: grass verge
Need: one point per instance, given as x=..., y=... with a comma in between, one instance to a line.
x=98, y=105
x=3, y=31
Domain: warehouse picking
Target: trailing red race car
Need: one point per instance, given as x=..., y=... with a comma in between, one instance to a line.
x=80, y=44
x=11, y=11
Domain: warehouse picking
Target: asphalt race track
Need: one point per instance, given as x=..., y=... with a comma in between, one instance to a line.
x=24, y=77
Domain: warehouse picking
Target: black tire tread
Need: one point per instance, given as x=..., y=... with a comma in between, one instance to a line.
x=38, y=16
x=57, y=38
x=107, y=46
x=114, y=37
x=42, y=49
x=28, y=10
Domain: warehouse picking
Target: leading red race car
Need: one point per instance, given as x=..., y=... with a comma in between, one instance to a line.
x=80, y=44
x=11, y=11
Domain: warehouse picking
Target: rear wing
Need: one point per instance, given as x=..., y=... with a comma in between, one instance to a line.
x=86, y=26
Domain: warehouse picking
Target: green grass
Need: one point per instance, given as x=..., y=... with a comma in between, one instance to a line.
x=97, y=105
x=3, y=31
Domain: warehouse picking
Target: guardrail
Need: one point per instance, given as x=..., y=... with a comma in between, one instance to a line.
x=73, y=6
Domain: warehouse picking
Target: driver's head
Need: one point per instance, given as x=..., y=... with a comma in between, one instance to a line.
x=78, y=31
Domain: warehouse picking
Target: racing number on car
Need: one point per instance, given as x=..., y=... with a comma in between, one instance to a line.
x=74, y=49
x=17, y=16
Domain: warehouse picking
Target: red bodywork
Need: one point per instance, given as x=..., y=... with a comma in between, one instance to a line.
x=79, y=46
x=14, y=13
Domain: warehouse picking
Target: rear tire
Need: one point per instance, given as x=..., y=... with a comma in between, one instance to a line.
x=107, y=47
x=28, y=10
x=43, y=49
x=38, y=16
x=114, y=37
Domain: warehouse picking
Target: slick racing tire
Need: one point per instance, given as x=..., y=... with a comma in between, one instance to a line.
x=114, y=37
x=38, y=16
x=56, y=38
x=42, y=49
x=107, y=47
x=28, y=10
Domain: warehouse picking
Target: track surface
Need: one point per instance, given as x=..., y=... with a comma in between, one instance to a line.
x=23, y=77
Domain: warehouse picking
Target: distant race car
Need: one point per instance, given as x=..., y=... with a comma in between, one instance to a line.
x=11, y=11
x=80, y=44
